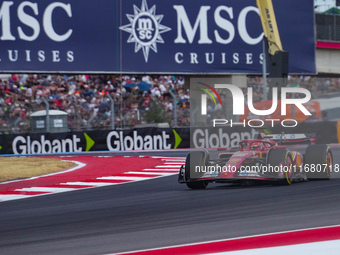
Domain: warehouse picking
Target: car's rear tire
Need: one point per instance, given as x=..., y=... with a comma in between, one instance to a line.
x=281, y=157
x=316, y=156
x=195, y=158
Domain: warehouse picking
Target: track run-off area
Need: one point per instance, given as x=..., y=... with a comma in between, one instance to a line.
x=131, y=201
x=92, y=172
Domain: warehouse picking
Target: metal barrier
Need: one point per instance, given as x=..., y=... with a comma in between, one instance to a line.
x=111, y=114
x=327, y=27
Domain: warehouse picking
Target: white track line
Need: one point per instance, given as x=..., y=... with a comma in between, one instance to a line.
x=46, y=189
x=94, y=184
x=315, y=248
x=170, y=166
x=223, y=240
x=150, y=173
x=167, y=162
x=168, y=170
x=174, y=163
x=12, y=197
x=168, y=157
x=174, y=159
x=129, y=178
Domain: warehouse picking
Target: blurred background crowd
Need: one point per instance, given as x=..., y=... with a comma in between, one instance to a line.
x=137, y=99
x=318, y=86
x=86, y=100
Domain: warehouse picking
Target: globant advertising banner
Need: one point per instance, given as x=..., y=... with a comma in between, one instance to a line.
x=144, y=139
x=103, y=140
x=221, y=36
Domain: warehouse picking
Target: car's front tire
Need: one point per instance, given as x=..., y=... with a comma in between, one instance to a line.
x=195, y=158
x=281, y=157
x=197, y=185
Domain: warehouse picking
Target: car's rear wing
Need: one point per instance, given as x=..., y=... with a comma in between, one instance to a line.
x=292, y=138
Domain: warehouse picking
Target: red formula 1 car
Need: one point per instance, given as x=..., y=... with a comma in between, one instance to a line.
x=264, y=159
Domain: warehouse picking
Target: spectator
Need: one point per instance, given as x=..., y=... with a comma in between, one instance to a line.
x=313, y=117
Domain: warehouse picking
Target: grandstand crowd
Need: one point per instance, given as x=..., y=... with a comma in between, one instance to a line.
x=86, y=98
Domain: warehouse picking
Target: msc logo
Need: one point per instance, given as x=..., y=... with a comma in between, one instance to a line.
x=145, y=29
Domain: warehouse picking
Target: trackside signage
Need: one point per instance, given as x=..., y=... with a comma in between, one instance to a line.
x=222, y=137
x=114, y=140
x=30, y=145
x=122, y=140
x=149, y=138
x=152, y=36
x=59, y=35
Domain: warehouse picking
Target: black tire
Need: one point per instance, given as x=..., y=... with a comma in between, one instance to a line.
x=277, y=157
x=197, y=185
x=316, y=157
x=195, y=158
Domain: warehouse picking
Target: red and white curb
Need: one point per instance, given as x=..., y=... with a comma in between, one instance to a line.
x=92, y=172
x=312, y=241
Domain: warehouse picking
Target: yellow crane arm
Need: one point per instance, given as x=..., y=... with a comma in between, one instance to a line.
x=268, y=20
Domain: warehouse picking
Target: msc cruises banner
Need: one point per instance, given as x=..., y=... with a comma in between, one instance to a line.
x=153, y=36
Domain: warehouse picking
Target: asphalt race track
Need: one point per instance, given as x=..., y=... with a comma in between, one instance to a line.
x=161, y=212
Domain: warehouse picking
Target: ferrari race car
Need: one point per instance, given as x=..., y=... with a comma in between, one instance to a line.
x=264, y=159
